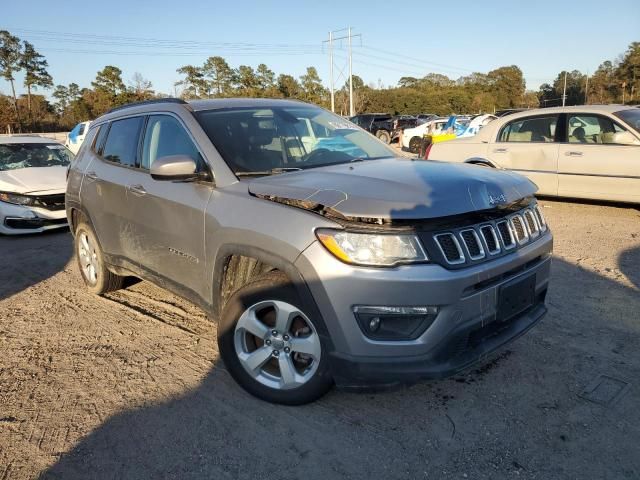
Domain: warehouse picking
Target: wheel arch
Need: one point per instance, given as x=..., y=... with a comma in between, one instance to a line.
x=237, y=265
x=481, y=161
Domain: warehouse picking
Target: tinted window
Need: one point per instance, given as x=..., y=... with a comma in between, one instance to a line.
x=593, y=129
x=165, y=136
x=122, y=142
x=82, y=127
x=102, y=133
x=530, y=129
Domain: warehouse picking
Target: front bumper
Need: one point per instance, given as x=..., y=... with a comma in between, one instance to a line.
x=464, y=331
x=18, y=219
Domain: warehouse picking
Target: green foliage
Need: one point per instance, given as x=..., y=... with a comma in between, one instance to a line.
x=503, y=87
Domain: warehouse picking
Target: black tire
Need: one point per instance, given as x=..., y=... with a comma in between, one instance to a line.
x=267, y=287
x=414, y=144
x=104, y=281
x=384, y=136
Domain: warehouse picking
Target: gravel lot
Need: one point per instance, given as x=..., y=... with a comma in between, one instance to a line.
x=131, y=386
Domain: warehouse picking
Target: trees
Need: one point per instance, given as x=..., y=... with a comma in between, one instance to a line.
x=10, y=54
x=194, y=84
x=36, y=75
x=220, y=75
x=312, y=89
x=288, y=86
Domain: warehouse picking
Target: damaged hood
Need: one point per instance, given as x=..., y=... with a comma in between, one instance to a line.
x=396, y=189
x=34, y=180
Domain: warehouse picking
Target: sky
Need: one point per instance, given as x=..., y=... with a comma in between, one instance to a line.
x=397, y=38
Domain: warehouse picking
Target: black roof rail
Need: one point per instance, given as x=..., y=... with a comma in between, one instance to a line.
x=148, y=102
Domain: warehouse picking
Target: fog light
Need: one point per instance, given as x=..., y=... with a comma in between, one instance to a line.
x=394, y=323
x=374, y=324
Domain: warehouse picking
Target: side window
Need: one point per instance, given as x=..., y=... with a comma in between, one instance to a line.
x=593, y=129
x=122, y=141
x=530, y=129
x=165, y=136
x=102, y=134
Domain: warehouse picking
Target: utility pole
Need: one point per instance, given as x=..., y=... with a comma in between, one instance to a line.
x=332, y=39
x=333, y=95
x=564, y=91
x=586, y=91
x=351, y=111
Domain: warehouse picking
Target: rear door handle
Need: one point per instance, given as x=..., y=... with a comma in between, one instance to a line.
x=573, y=154
x=91, y=175
x=137, y=190
x=499, y=150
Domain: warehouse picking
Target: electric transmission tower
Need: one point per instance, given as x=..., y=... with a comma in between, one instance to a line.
x=331, y=41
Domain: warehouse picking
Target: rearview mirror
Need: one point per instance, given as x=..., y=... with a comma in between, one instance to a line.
x=624, y=138
x=174, y=167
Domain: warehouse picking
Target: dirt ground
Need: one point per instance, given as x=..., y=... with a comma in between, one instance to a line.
x=131, y=386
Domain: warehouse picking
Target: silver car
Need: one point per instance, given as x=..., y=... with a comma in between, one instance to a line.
x=323, y=257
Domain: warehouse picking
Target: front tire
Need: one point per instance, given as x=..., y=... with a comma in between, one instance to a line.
x=93, y=269
x=271, y=344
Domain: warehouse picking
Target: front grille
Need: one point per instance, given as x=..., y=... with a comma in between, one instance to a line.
x=33, y=223
x=450, y=248
x=50, y=202
x=492, y=238
x=472, y=243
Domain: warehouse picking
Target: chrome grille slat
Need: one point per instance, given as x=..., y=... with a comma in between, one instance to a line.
x=506, y=234
x=446, y=242
x=541, y=220
x=472, y=243
x=532, y=223
x=490, y=239
x=519, y=229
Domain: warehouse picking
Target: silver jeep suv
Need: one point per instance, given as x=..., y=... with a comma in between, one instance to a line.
x=323, y=257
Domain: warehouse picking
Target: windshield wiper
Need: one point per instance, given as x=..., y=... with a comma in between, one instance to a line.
x=268, y=172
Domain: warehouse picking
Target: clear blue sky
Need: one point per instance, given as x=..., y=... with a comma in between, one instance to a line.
x=542, y=37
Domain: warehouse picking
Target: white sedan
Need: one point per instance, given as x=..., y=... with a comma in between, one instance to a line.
x=589, y=151
x=411, y=137
x=32, y=184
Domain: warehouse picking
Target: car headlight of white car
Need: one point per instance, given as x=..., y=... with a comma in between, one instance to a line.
x=16, y=199
x=372, y=249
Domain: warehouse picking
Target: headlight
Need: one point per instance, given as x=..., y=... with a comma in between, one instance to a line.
x=372, y=249
x=16, y=199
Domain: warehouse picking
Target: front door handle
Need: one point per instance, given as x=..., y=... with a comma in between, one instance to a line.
x=137, y=190
x=91, y=175
x=499, y=150
x=573, y=154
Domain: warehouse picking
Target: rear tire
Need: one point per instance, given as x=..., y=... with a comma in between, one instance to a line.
x=93, y=269
x=271, y=345
x=414, y=144
x=384, y=136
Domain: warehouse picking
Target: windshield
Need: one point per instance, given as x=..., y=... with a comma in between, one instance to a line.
x=631, y=117
x=24, y=155
x=253, y=140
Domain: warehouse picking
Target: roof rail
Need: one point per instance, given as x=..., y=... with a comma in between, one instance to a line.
x=148, y=102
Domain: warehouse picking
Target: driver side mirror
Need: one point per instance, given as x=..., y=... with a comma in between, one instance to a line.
x=174, y=167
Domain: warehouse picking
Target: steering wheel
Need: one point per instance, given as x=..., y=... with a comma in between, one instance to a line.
x=316, y=155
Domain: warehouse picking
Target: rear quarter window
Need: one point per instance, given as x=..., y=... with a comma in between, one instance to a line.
x=121, y=145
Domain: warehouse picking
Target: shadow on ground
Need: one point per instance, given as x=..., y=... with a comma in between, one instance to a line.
x=519, y=413
x=24, y=260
